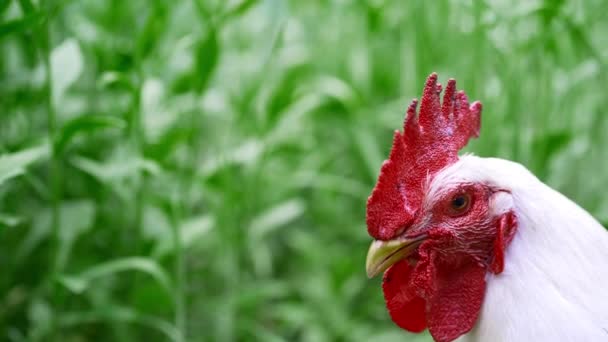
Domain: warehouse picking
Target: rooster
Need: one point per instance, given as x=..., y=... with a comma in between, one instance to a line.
x=479, y=249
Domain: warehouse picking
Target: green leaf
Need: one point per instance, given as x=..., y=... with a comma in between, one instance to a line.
x=156, y=227
x=4, y=5
x=26, y=6
x=120, y=314
x=195, y=228
x=115, y=169
x=206, y=59
x=399, y=335
x=153, y=29
x=276, y=216
x=120, y=172
x=336, y=89
x=15, y=164
x=76, y=219
x=81, y=282
x=330, y=182
x=9, y=220
x=67, y=64
x=82, y=125
x=545, y=147
x=367, y=146
x=39, y=230
x=293, y=118
x=247, y=153
x=239, y=9
x=40, y=316
x=27, y=22
x=114, y=79
x=190, y=232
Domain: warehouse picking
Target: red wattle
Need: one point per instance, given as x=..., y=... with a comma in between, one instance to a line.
x=454, y=306
x=406, y=308
x=445, y=297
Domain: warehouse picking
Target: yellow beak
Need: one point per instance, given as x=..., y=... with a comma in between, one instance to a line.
x=383, y=254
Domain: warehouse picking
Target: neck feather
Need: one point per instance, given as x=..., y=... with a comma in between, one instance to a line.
x=556, y=270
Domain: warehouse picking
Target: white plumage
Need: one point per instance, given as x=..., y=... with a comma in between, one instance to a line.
x=555, y=283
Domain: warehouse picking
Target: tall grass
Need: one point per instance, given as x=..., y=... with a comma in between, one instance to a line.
x=198, y=169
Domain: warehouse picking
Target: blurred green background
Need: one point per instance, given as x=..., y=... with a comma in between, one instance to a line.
x=197, y=170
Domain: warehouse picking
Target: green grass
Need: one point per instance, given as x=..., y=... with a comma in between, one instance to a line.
x=197, y=170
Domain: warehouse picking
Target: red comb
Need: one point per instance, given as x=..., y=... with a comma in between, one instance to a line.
x=429, y=142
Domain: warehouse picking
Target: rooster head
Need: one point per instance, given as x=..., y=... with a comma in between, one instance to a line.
x=436, y=233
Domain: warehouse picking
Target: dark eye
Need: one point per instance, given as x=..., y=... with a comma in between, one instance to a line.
x=460, y=203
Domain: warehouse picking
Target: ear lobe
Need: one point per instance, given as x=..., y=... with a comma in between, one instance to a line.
x=505, y=230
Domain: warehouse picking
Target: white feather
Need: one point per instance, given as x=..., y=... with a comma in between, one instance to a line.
x=555, y=283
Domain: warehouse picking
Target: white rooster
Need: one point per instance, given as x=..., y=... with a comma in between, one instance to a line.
x=478, y=249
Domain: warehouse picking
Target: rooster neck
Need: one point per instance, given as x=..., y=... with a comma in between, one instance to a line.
x=553, y=284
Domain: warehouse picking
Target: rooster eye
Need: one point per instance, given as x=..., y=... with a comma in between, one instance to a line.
x=460, y=203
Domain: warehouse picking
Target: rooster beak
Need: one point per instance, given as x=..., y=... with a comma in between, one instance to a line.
x=383, y=254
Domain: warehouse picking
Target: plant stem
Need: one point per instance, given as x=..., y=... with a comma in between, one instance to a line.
x=54, y=170
x=179, y=265
x=135, y=135
x=187, y=176
x=137, y=143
